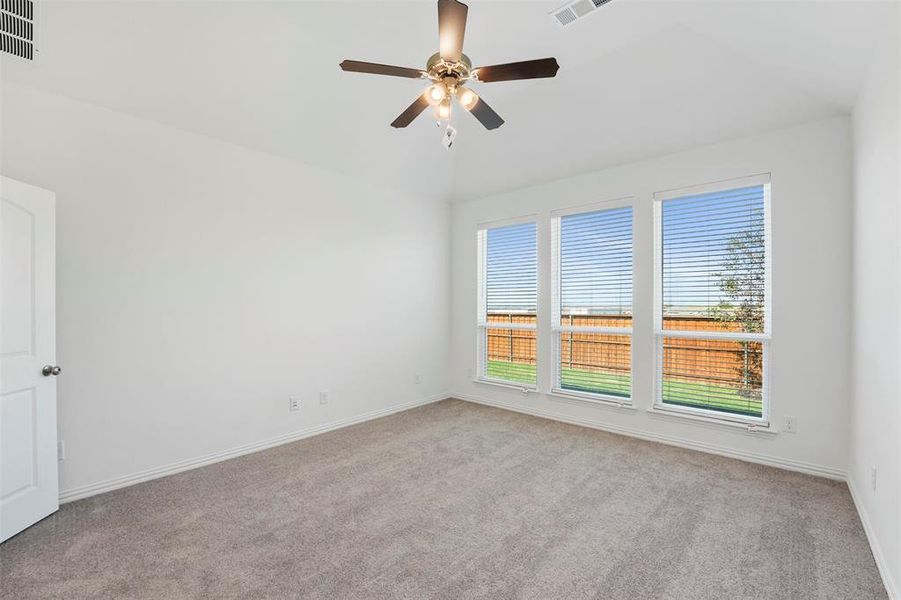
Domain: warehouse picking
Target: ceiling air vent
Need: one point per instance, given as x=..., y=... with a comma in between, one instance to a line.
x=17, y=28
x=571, y=12
x=565, y=17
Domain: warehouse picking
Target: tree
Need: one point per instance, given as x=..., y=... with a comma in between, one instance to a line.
x=743, y=286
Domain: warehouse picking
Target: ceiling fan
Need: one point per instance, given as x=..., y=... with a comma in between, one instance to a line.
x=449, y=69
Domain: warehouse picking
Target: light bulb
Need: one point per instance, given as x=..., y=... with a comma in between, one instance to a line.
x=436, y=93
x=467, y=97
x=443, y=110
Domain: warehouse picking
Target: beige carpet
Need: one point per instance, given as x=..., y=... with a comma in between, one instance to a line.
x=455, y=500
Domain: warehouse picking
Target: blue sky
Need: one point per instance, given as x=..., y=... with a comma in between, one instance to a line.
x=596, y=255
x=596, y=262
x=511, y=274
x=696, y=235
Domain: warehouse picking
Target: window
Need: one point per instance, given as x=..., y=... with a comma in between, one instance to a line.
x=508, y=304
x=712, y=299
x=592, y=302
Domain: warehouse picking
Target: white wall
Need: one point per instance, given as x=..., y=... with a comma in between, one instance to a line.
x=876, y=406
x=200, y=284
x=810, y=349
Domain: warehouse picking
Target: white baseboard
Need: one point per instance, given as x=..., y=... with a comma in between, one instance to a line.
x=772, y=461
x=109, y=485
x=93, y=489
x=887, y=580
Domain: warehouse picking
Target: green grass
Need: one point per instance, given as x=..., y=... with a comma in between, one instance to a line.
x=510, y=371
x=611, y=384
x=718, y=397
x=681, y=393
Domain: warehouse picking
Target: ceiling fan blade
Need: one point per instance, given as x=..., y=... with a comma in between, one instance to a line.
x=357, y=66
x=486, y=115
x=413, y=111
x=527, y=69
x=451, y=28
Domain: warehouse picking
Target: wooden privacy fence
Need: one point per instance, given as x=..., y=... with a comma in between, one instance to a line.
x=711, y=361
x=512, y=345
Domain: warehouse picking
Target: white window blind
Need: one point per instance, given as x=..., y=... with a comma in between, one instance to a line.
x=712, y=321
x=508, y=304
x=592, y=302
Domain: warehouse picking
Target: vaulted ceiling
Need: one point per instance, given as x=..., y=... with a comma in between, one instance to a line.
x=637, y=79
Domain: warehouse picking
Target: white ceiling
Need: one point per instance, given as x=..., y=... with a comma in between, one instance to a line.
x=637, y=79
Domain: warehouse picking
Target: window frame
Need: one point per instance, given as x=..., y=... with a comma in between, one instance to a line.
x=557, y=330
x=482, y=323
x=763, y=422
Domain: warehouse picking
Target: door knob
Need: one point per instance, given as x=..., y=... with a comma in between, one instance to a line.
x=49, y=370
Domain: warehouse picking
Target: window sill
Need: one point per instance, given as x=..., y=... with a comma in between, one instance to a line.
x=523, y=389
x=748, y=426
x=611, y=401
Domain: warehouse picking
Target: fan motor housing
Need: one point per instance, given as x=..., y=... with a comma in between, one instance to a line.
x=440, y=69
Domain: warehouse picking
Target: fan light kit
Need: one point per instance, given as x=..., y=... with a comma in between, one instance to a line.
x=448, y=69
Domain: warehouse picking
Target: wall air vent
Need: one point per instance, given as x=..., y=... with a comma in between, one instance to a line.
x=571, y=12
x=17, y=31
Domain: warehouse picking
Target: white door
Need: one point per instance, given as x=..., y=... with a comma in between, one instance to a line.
x=28, y=468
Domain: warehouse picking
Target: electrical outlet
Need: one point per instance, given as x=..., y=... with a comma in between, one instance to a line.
x=417, y=379
x=791, y=425
x=323, y=397
x=61, y=450
x=293, y=404
x=873, y=477
x=469, y=373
